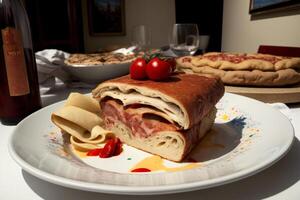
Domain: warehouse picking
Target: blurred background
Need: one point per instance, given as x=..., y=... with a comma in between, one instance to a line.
x=63, y=24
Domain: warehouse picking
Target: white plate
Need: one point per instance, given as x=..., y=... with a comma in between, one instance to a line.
x=248, y=136
x=98, y=73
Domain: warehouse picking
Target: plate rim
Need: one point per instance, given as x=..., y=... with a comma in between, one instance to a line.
x=149, y=190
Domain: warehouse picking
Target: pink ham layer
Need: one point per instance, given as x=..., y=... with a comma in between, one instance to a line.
x=140, y=126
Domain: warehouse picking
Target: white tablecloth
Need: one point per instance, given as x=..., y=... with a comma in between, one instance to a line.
x=280, y=181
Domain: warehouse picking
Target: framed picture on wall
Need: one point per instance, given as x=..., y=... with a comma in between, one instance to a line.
x=106, y=17
x=263, y=6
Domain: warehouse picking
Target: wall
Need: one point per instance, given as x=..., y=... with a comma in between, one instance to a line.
x=159, y=15
x=241, y=34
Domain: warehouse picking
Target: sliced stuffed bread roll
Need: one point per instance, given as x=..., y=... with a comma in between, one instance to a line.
x=166, y=118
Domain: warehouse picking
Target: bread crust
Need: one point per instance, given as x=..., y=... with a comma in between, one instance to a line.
x=243, y=61
x=281, y=71
x=254, y=78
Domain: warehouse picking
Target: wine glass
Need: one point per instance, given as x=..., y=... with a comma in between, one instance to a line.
x=141, y=37
x=184, y=39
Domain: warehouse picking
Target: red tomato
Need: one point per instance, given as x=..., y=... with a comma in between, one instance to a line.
x=138, y=69
x=172, y=62
x=110, y=148
x=158, y=69
x=118, y=149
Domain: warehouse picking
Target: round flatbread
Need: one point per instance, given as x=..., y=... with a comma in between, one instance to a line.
x=244, y=69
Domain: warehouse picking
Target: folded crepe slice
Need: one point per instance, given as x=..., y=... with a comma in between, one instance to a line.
x=80, y=118
x=184, y=98
x=166, y=118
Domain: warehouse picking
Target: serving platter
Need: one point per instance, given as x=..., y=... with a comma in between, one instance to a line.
x=97, y=73
x=244, y=140
x=289, y=94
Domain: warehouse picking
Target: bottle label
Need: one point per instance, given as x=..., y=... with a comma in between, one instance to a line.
x=15, y=62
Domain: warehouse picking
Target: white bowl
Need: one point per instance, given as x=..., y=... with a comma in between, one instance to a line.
x=98, y=73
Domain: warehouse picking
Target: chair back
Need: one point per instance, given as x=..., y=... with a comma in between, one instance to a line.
x=279, y=50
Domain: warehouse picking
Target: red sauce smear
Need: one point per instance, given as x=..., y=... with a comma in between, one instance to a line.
x=141, y=170
x=240, y=58
x=94, y=152
x=112, y=147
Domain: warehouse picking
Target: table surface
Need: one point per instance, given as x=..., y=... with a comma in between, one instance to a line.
x=280, y=181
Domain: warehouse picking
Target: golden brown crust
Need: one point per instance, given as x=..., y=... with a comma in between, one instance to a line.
x=255, y=77
x=195, y=95
x=243, y=61
x=260, y=70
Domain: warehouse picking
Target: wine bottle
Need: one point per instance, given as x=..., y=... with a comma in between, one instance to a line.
x=19, y=87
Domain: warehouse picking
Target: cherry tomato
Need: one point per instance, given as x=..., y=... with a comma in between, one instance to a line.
x=172, y=62
x=158, y=69
x=138, y=69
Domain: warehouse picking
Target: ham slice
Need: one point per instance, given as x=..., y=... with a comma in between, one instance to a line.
x=135, y=118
